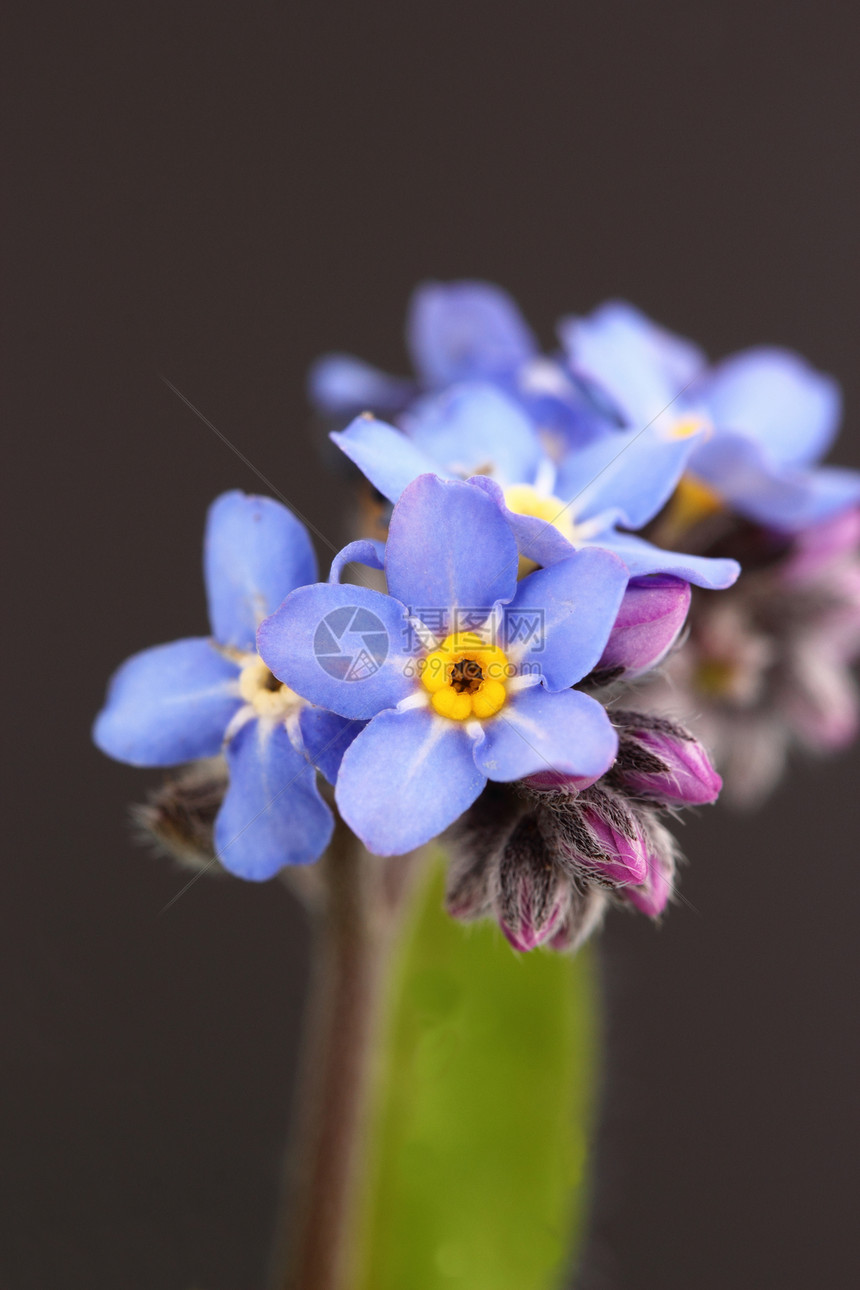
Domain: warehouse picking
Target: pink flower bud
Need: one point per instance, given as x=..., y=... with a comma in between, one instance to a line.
x=584, y=916
x=679, y=770
x=598, y=837
x=625, y=853
x=533, y=894
x=822, y=545
x=651, y=896
x=652, y=614
x=823, y=703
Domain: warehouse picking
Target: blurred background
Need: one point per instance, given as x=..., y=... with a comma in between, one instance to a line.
x=217, y=194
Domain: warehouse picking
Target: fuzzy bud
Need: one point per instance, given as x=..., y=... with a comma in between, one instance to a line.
x=598, y=836
x=823, y=704
x=533, y=894
x=662, y=760
x=584, y=915
x=651, y=896
x=475, y=846
x=179, y=816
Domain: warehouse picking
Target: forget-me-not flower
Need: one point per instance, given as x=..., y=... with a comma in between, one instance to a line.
x=554, y=506
x=462, y=673
x=195, y=697
x=456, y=332
x=767, y=416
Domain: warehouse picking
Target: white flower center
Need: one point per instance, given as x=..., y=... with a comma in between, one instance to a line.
x=268, y=696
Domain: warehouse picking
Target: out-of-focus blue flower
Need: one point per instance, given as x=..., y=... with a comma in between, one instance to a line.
x=462, y=673
x=767, y=416
x=194, y=697
x=554, y=506
x=461, y=332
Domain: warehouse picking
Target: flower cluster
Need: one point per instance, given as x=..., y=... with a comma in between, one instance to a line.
x=637, y=431
x=500, y=679
x=767, y=666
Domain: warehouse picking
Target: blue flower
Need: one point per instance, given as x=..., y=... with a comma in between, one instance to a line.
x=767, y=416
x=456, y=332
x=194, y=697
x=554, y=504
x=462, y=673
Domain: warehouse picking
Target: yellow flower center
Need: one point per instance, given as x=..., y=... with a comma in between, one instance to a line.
x=268, y=696
x=693, y=500
x=522, y=499
x=465, y=677
x=686, y=427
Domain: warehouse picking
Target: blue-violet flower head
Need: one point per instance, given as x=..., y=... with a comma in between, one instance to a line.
x=194, y=697
x=462, y=673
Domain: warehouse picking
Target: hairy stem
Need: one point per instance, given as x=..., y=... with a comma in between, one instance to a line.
x=356, y=927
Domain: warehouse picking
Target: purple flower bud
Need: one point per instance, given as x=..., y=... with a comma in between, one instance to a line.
x=823, y=703
x=652, y=614
x=584, y=916
x=476, y=843
x=533, y=894
x=599, y=838
x=659, y=759
x=626, y=860
x=547, y=862
x=822, y=544
x=651, y=896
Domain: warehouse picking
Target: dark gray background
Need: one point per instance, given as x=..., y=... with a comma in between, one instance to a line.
x=220, y=193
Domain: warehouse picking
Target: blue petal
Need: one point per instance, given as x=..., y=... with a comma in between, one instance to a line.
x=569, y=610
x=536, y=539
x=781, y=497
x=449, y=547
x=256, y=551
x=342, y=386
x=537, y=731
x=272, y=814
x=540, y=541
x=345, y=648
x=365, y=551
x=640, y=366
x=633, y=474
x=405, y=779
x=383, y=455
x=325, y=737
x=460, y=330
x=169, y=704
x=475, y=429
x=566, y=426
x=774, y=397
x=643, y=557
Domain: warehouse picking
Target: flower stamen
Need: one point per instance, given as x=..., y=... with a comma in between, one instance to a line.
x=466, y=678
x=268, y=696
